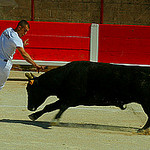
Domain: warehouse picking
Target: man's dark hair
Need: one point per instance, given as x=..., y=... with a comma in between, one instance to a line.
x=23, y=23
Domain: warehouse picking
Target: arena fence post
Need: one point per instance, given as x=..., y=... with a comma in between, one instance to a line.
x=32, y=10
x=94, y=42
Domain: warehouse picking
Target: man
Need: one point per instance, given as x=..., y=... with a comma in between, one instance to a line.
x=10, y=40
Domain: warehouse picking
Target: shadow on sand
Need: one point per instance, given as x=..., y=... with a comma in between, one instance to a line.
x=46, y=125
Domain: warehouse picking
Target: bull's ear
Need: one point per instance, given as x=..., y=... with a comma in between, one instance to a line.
x=31, y=82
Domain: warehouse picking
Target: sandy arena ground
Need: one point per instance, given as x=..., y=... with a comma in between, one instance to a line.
x=81, y=128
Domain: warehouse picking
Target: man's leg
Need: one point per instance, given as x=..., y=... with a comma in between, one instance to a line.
x=4, y=72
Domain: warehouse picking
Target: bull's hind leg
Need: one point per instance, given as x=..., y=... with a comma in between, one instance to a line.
x=47, y=108
x=147, y=125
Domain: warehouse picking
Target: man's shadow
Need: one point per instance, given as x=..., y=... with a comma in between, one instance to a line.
x=47, y=125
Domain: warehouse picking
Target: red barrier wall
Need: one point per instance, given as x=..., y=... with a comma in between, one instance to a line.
x=51, y=41
x=124, y=44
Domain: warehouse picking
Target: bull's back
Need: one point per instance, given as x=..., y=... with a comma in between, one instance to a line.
x=82, y=78
x=118, y=82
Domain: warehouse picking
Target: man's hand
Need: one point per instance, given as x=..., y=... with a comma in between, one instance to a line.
x=26, y=42
x=39, y=68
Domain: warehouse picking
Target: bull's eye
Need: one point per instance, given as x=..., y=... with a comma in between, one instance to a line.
x=31, y=82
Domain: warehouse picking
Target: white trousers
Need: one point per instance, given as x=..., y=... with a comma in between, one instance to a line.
x=5, y=68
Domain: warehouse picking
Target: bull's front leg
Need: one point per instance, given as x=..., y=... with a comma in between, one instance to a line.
x=47, y=108
x=55, y=121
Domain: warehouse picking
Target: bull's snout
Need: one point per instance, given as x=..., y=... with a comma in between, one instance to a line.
x=32, y=108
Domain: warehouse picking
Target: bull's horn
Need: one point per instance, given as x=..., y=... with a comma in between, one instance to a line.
x=29, y=76
x=33, y=75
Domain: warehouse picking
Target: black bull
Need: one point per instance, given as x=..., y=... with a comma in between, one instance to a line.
x=88, y=83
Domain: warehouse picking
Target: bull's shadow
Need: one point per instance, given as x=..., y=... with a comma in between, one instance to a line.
x=46, y=125
x=42, y=124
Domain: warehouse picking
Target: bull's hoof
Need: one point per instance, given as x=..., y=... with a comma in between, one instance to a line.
x=144, y=131
x=139, y=131
x=32, y=117
x=54, y=122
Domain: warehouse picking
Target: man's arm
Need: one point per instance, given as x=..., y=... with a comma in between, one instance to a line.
x=27, y=57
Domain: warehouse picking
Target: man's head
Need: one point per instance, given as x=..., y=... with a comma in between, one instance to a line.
x=22, y=28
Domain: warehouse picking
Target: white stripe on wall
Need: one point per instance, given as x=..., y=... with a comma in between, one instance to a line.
x=94, y=42
x=39, y=62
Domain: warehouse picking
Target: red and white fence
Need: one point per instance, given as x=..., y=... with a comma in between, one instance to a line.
x=54, y=43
